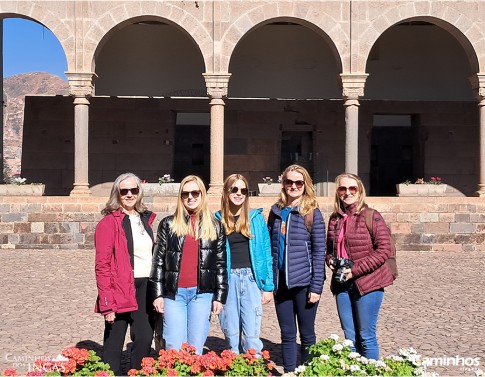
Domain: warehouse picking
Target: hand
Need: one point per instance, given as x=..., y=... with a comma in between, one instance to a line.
x=110, y=317
x=330, y=263
x=158, y=305
x=216, y=307
x=348, y=273
x=267, y=297
x=313, y=297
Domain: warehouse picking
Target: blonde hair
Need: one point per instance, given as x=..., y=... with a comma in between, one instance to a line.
x=242, y=225
x=114, y=201
x=360, y=201
x=205, y=222
x=308, y=199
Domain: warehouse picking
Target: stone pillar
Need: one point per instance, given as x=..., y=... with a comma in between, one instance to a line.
x=352, y=89
x=478, y=83
x=81, y=88
x=216, y=89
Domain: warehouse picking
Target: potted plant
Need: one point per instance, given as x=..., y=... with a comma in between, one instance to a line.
x=17, y=186
x=164, y=187
x=267, y=188
x=421, y=187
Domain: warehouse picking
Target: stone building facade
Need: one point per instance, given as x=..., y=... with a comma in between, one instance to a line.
x=388, y=90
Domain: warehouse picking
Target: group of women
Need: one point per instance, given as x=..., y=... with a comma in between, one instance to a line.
x=233, y=262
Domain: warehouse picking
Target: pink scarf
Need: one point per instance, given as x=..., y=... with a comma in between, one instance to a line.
x=341, y=252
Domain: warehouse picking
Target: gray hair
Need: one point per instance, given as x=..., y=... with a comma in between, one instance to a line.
x=114, y=201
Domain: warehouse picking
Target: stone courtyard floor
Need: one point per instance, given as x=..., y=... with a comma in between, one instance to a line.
x=437, y=306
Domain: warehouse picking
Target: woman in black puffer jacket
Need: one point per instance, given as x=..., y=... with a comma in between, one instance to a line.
x=188, y=280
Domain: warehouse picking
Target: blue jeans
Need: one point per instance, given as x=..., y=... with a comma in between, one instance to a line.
x=187, y=319
x=292, y=307
x=241, y=316
x=358, y=318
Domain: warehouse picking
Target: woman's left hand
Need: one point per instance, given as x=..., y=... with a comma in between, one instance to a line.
x=216, y=307
x=313, y=297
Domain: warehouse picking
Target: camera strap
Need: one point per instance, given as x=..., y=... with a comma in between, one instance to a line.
x=341, y=251
x=335, y=235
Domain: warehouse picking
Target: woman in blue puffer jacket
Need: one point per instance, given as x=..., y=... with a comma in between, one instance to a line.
x=298, y=245
x=249, y=266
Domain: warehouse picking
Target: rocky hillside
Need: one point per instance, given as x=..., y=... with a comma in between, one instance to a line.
x=15, y=88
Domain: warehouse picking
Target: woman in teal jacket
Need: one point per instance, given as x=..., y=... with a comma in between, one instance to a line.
x=249, y=264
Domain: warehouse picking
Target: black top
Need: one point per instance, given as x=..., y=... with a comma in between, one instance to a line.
x=239, y=246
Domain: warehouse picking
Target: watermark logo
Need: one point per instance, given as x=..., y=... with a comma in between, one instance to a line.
x=466, y=364
x=31, y=363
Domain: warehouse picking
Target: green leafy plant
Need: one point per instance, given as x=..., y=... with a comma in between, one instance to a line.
x=333, y=357
x=165, y=179
x=422, y=181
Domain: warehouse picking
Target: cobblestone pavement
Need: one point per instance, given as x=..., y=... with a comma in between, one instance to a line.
x=436, y=306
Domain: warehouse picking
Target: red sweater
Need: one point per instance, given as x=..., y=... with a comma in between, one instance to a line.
x=369, y=271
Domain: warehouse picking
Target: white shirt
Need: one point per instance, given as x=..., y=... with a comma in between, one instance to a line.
x=142, y=247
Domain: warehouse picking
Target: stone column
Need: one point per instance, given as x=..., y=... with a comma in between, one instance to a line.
x=81, y=88
x=352, y=89
x=216, y=89
x=478, y=83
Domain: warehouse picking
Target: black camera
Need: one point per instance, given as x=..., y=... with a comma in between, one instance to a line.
x=340, y=264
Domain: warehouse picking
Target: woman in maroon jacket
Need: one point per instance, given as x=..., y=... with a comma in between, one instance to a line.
x=358, y=264
x=124, y=242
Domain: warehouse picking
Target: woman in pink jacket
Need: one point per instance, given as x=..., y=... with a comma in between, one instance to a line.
x=358, y=264
x=124, y=243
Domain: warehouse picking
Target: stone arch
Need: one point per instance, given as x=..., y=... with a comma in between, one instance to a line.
x=97, y=34
x=316, y=20
x=457, y=24
x=42, y=15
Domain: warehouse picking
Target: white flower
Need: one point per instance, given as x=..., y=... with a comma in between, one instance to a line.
x=380, y=364
x=354, y=368
x=300, y=369
x=354, y=355
x=365, y=360
x=337, y=347
x=371, y=361
x=407, y=351
x=19, y=180
x=395, y=358
x=324, y=357
x=418, y=371
x=348, y=343
x=334, y=337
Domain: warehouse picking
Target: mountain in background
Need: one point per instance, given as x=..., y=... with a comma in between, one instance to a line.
x=15, y=88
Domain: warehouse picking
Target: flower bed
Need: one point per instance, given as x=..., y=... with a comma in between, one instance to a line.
x=81, y=362
x=333, y=357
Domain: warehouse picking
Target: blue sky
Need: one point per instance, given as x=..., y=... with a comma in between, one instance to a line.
x=31, y=47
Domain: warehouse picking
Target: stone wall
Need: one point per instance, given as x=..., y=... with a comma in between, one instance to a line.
x=433, y=224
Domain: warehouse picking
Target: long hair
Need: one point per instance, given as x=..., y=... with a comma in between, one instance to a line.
x=205, y=225
x=308, y=198
x=114, y=201
x=242, y=226
x=360, y=202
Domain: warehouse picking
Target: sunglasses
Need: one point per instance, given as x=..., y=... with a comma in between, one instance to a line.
x=235, y=190
x=134, y=191
x=290, y=183
x=352, y=189
x=185, y=194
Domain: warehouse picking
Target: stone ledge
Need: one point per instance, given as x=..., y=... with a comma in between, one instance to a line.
x=436, y=224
